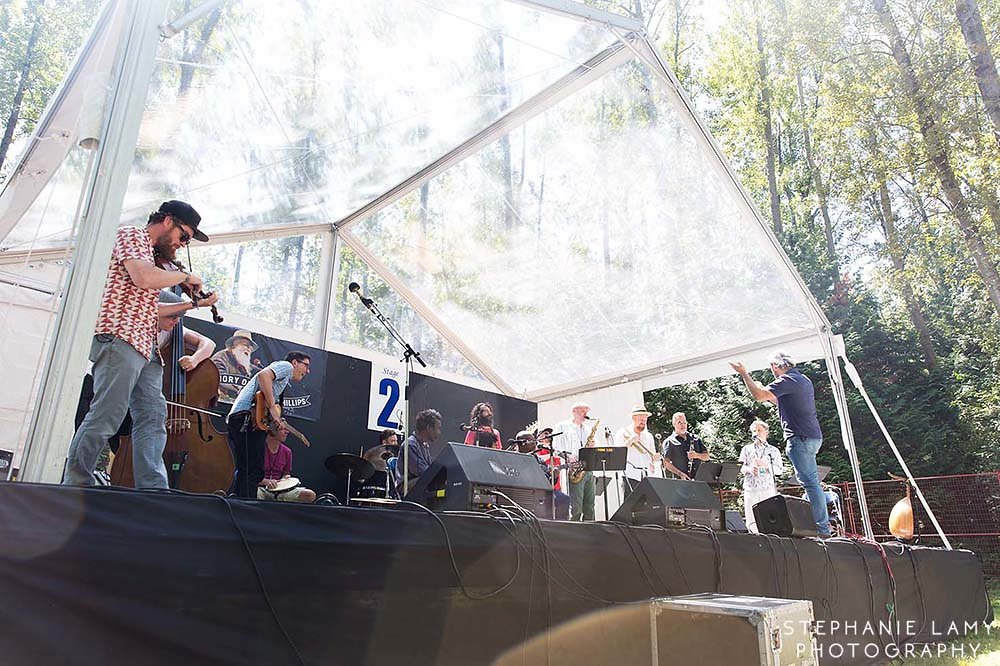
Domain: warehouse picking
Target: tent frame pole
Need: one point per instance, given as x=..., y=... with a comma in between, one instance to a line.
x=846, y=430
x=52, y=420
x=852, y=372
x=328, y=264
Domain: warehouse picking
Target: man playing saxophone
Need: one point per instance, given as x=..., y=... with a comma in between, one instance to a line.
x=577, y=433
x=643, y=458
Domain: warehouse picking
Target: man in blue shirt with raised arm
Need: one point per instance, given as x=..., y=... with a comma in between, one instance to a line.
x=793, y=393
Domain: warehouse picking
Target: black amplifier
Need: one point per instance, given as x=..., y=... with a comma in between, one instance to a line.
x=677, y=516
x=464, y=478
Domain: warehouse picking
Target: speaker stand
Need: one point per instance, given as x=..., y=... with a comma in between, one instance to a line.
x=604, y=473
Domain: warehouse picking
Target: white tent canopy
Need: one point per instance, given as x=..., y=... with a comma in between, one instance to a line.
x=528, y=176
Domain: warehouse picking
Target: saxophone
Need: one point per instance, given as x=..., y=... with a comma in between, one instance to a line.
x=577, y=475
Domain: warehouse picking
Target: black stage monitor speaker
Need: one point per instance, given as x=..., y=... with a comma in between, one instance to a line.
x=786, y=516
x=671, y=503
x=464, y=478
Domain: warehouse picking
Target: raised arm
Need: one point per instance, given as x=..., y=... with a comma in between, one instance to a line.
x=757, y=390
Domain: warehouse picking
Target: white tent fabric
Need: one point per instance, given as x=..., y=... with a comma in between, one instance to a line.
x=527, y=175
x=74, y=114
x=25, y=320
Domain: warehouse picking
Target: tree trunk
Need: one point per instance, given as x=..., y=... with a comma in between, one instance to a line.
x=506, y=168
x=765, y=112
x=938, y=152
x=22, y=83
x=235, y=295
x=898, y=263
x=195, y=55
x=983, y=64
x=814, y=174
x=296, y=281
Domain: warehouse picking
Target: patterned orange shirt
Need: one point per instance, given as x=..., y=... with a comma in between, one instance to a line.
x=128, y=312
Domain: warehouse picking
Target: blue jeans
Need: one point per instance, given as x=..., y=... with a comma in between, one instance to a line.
x=124, y=381
x=802, y=452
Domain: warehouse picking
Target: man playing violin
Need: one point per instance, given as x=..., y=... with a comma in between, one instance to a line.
x=128, y=370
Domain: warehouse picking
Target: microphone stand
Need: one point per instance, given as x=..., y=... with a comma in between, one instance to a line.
x=409, y=353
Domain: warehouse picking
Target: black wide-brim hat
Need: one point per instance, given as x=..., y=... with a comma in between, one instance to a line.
x=185, y=214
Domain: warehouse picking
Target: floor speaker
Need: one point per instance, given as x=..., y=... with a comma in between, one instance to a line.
x=785, y=515
x=473, y=478
x=667, y=498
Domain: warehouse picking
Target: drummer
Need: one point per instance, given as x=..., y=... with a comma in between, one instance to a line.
x=277, y=468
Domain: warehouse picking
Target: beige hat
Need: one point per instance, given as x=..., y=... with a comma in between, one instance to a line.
x=579, y=404
x=242, y=335
x=640, y=410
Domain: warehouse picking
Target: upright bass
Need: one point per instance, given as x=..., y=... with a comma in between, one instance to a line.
x=197, y=455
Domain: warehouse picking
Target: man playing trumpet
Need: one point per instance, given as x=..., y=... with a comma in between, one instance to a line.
x=643, y=459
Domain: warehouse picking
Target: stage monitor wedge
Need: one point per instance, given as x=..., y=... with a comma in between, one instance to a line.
x=671, y=503
x=786, y=516
x=472, y=478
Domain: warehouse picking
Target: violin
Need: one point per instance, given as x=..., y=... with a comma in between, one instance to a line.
x=194, y=295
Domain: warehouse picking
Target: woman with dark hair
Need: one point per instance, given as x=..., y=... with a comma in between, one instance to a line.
x=481, y=430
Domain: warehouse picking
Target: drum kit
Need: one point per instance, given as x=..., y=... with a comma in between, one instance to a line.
x=370, y=471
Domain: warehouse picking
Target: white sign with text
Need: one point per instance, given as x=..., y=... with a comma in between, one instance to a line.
x=386, y=402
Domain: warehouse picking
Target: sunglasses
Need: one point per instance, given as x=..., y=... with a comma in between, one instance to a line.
x=185, y=236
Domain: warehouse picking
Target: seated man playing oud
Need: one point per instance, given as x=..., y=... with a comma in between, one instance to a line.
x=277, y=467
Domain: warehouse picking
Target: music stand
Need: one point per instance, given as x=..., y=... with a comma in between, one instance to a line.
x=821, y=472
x=718, y=474
x=608, y=458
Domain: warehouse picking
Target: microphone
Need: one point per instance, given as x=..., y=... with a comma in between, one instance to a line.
x=355, y=288
x=588, y=418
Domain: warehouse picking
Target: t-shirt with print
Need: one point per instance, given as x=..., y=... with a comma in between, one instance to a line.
x=127, y=311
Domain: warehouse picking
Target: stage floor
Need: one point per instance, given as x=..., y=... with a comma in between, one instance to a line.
x=105, y=576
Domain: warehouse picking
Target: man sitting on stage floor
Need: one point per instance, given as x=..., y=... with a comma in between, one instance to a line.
x=427, y=429
x=684, y=449
x=245, y=439
x=277, y=467
x=128, y=370
x=793, y=393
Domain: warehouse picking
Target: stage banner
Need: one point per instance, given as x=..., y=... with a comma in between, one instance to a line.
x=386, y=402
x=240, y=354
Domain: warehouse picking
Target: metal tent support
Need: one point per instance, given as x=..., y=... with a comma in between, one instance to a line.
x=52, y=421
x=830, y=352
x=852, y=372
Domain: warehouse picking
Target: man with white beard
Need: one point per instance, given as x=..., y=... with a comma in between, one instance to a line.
x=234, y=365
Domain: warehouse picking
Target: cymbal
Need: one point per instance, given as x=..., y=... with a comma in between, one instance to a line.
x=379, y=455
x=340, y=463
